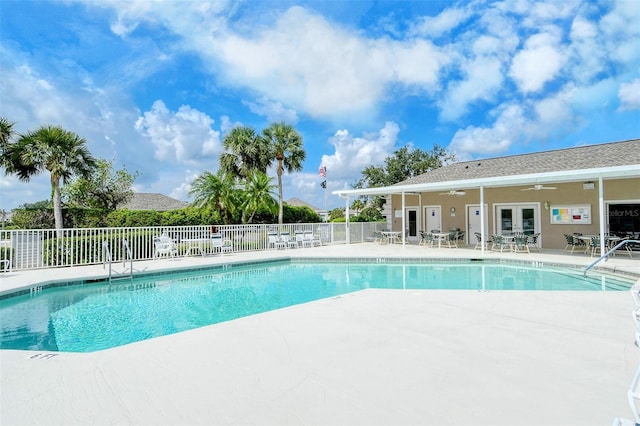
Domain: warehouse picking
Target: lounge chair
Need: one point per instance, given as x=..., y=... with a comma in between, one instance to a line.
x=275, y=242
x=285, y=237
x=164, y=245
x=220, y=244
x=299, y=239
x=308, y=236
x=635, y=293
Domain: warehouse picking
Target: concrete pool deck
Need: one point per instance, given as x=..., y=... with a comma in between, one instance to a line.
x=372, y=357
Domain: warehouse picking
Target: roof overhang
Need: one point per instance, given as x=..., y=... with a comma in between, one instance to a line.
x=617, y=172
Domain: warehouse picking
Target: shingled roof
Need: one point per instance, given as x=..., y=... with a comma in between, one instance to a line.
x=296, y=202
x=569, y=159
x=153, y=201
x=614, y=160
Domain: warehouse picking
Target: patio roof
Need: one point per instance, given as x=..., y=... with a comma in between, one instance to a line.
x=613, y=160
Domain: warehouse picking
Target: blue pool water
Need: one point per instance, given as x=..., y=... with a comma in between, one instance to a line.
x=90, y=317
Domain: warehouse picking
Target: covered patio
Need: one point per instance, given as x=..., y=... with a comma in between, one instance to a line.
x=550, y=193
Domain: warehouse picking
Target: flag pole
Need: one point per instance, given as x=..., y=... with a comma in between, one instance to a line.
x=326, y=213
x=322, y=171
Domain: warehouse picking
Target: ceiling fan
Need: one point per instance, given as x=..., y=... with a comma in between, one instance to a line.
x=538, y=188
x=453, y=192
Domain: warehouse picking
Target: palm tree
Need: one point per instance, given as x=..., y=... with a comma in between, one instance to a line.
x=258, y=193
x=245, y=150
x=215, y=190
x=6, y=134
x=358, y=205
x=60, y=152
x=286, y=147
x=6, y=131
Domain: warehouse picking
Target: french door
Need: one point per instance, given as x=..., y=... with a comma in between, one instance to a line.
x=522, y=218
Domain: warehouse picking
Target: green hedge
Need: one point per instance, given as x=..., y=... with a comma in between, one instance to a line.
x=189, y=216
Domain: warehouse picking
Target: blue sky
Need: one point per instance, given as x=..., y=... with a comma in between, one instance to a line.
x=155, y=86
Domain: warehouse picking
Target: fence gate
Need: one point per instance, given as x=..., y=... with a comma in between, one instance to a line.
x=27, y=249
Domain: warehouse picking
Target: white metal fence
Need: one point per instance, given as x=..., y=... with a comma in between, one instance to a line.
x=50, y=248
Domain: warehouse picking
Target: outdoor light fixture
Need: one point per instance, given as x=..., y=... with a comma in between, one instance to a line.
x=546, y=205
x=453, y=211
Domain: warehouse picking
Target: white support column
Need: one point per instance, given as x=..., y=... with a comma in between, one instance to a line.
x=420, y=212
x=346, y=222
x=482, y=230
x=403, y=220
x=603, y=242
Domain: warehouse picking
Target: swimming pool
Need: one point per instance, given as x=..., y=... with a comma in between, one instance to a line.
x=93, y=316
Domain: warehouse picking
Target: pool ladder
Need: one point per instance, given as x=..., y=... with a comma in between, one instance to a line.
x=607, y=254
x=106, y=259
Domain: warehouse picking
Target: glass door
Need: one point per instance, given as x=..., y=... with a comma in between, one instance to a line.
x=412, y=223
x=517, y=219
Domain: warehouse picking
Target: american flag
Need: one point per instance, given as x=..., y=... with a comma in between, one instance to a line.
x=322, y=171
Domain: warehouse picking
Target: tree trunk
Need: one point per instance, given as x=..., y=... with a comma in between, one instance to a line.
x=57, y=204
x=280, y=210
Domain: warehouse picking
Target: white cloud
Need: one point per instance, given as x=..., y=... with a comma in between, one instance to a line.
x=538, y=63
x=226, y=124
x=442, y=24
x=274, y=111
x=301, y=60
x=519, y=123
x=32, y=98
x=353, y=154
x=486, y=141
x=483, y=80
x=588, y=56
x=629, y=95
x=184, y=137
x=622, y=32
x=552, y=115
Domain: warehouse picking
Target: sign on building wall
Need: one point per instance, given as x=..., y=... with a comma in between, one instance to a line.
x=577, y=215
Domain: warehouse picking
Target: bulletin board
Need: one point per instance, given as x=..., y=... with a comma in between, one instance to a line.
x=576, y=215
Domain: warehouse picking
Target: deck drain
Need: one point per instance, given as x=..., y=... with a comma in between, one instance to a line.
x=42, y=356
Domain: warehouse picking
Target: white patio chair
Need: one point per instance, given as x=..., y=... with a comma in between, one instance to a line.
x=164, y=245
x=635, y=293
x=220, y=244
x=286, y=239
x=275, y=242
x=300, y=239
x=634, y=396
x=308, y=236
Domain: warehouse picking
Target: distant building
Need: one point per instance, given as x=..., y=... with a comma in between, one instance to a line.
x=296, y=202
x=153, y=201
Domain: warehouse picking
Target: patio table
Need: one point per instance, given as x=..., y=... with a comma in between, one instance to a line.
x=440, y=236
x=392, y=236
x=609, y=239
x=194, y=244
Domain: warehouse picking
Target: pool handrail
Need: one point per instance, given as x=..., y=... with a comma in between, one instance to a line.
x=607, y=254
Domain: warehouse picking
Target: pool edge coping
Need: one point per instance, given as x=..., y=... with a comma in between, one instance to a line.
x=104, y=277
